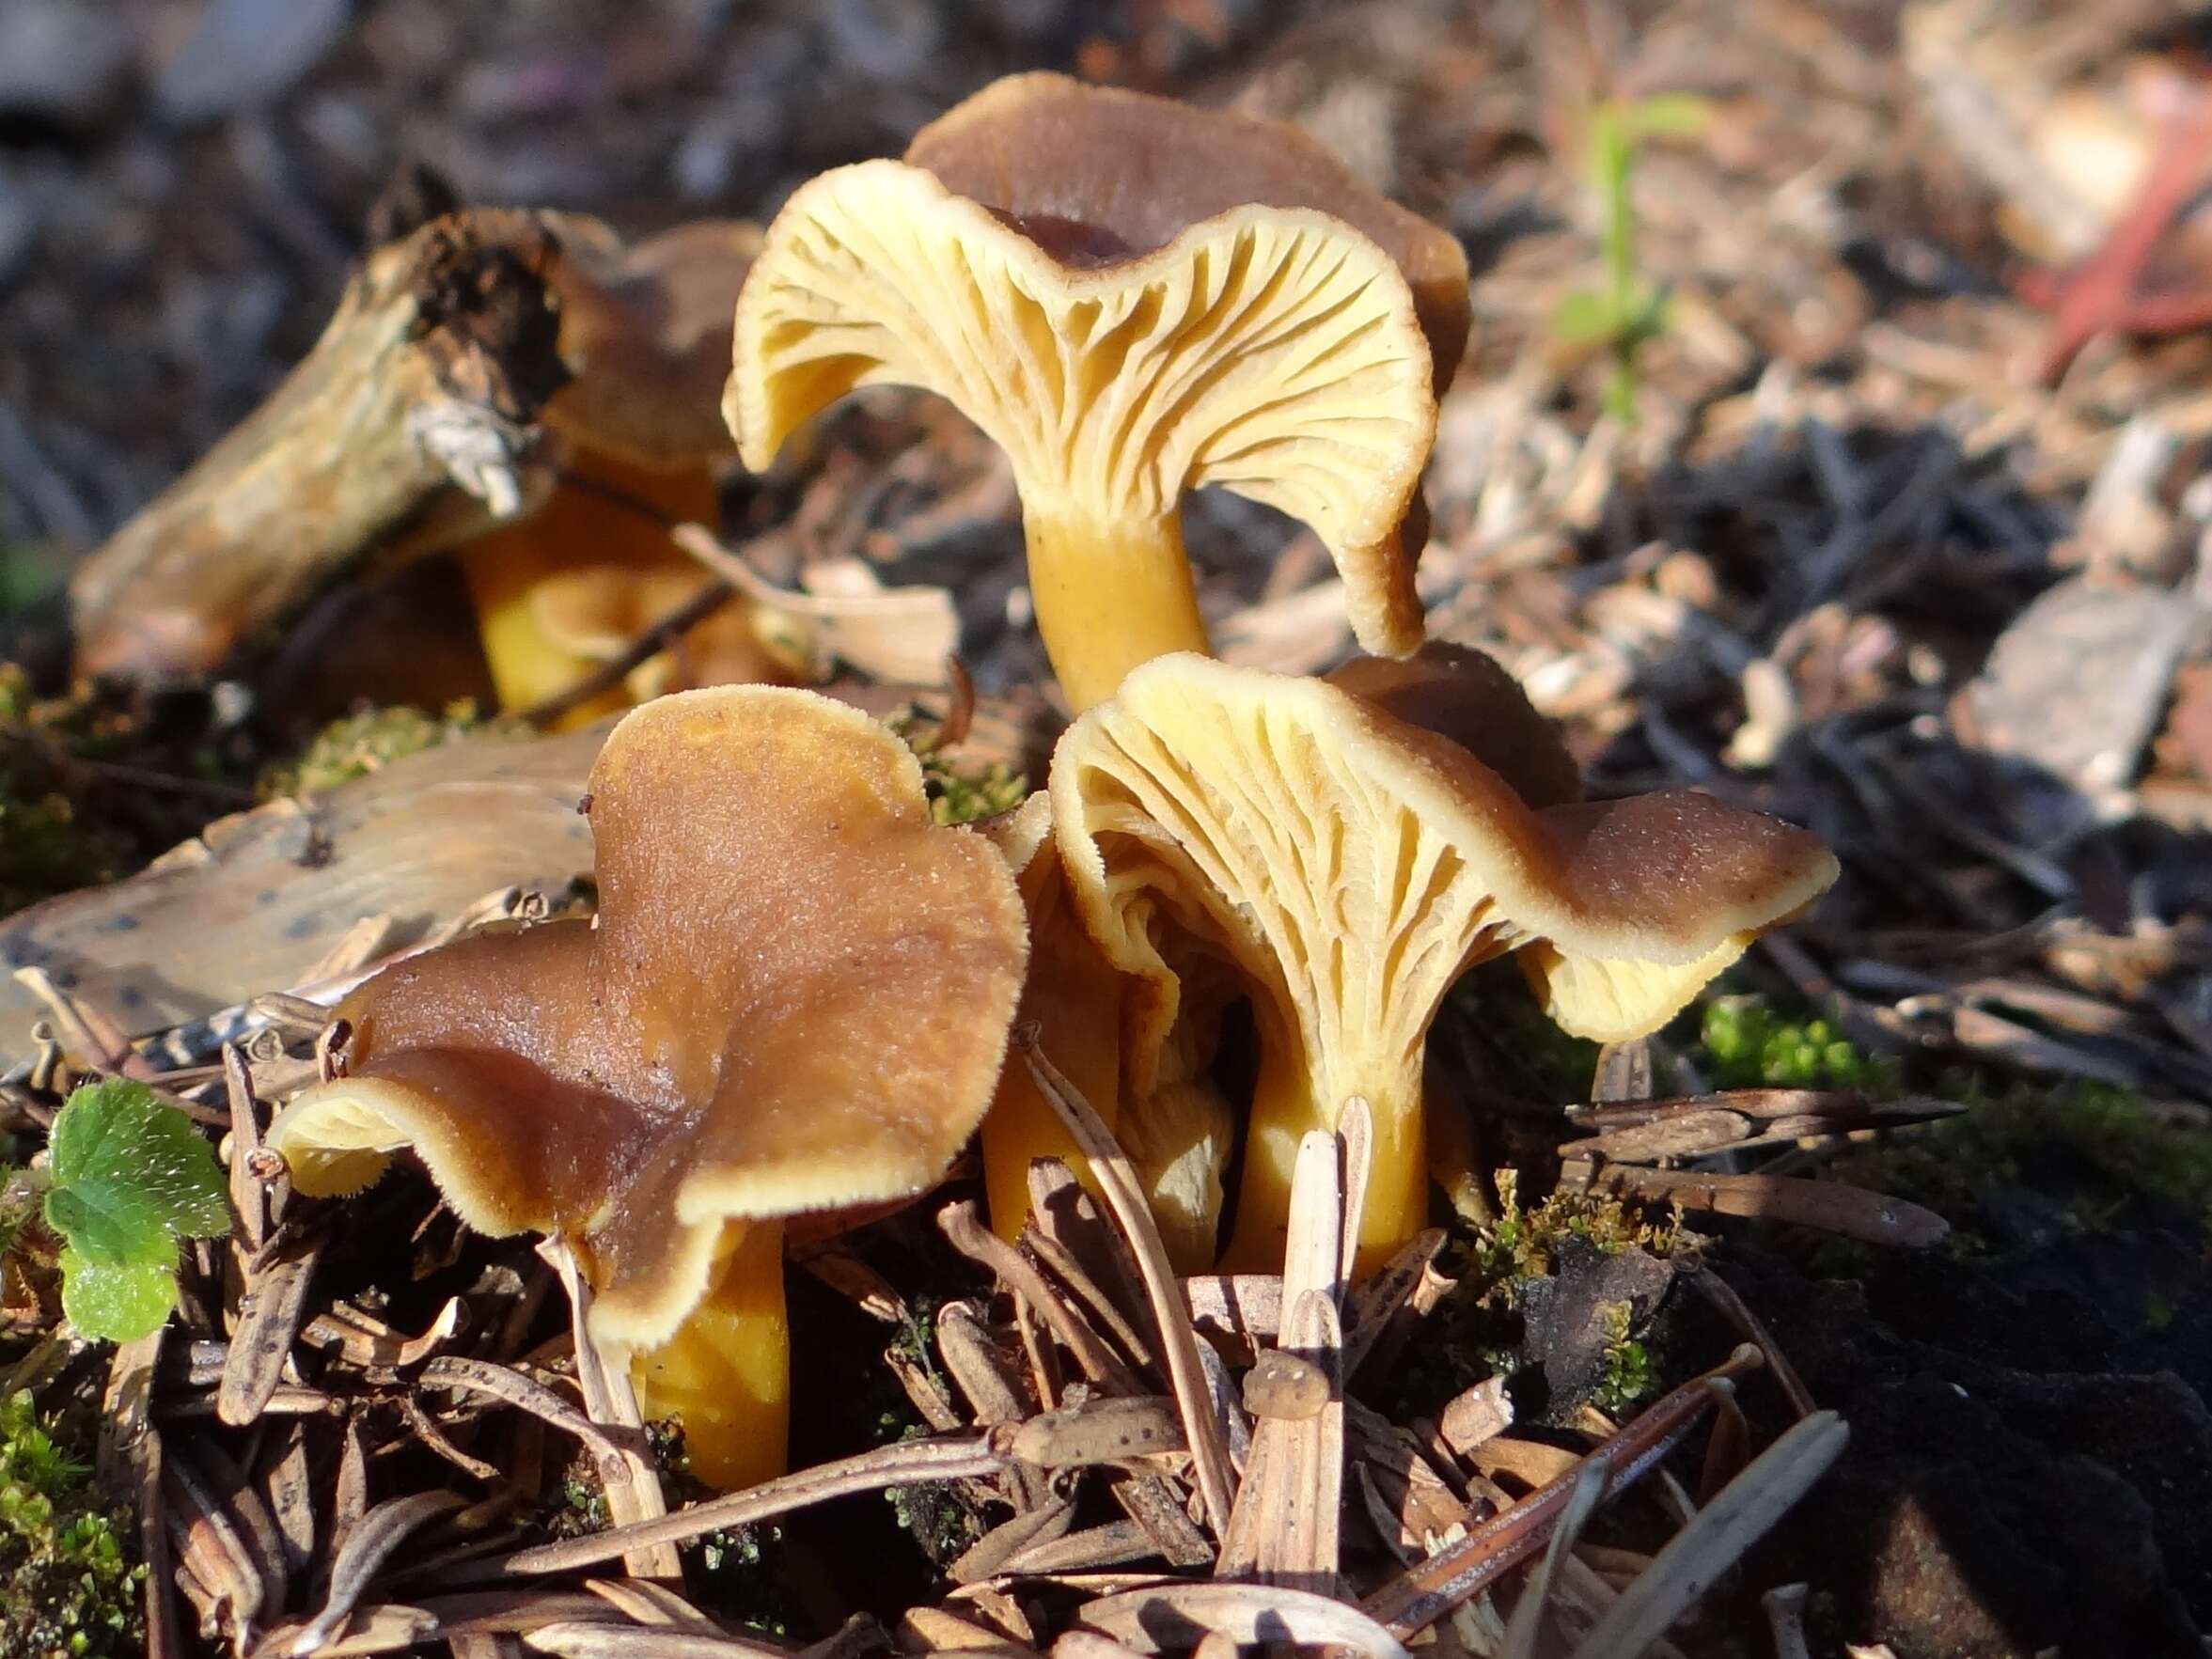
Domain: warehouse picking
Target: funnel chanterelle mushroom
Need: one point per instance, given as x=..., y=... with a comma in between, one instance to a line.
x=795, y=997
x=1352, y=865
x=1132, y=298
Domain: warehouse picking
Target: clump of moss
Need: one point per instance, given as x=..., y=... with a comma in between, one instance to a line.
x=73, y=1589
x=958, y=795
x=47, y=843
x=361, y=743
x=1630, y=1377
x=1745, y=1044
x=46, y=849
x=1478, y=1332
x=1522, y=1244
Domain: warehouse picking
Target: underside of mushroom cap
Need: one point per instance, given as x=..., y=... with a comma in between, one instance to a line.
x=1352, y=867
x=1273, y=351
x=1136, y=168
x=795, y=997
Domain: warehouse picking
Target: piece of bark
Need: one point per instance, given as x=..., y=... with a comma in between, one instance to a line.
x=451, y=325
x=420, y=841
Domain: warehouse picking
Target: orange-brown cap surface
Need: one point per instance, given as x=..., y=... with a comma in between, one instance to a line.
x=795, y=997
x=1124, y=172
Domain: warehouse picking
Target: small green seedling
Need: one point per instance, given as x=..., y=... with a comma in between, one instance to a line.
x=128, y=1176
x=1625, y=313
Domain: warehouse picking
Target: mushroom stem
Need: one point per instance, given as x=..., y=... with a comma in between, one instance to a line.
x=1285, y=1106
x=726, y=1373
x=1112, y=592
x=577, y=529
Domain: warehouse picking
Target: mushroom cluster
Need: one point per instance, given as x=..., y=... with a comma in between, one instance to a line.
x=795, y=996
x=1336, y=854
x=797, y=992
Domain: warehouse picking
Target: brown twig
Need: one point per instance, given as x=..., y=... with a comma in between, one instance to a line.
x=1110, y=1167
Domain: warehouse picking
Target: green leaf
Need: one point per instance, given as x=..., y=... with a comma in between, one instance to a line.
x=115, y=1302
x=130, y=1176
x=1669, y=114
x=1584, y=318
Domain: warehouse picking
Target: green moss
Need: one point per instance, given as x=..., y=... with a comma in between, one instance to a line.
x=962, y=797
x=47, y=845
x=359, y=744
x=1478, y=1332
x=45, y=849
x=1745, y=1044
x=73, y=1589
x=1522, y=1242
x=1630, y=1377
x=958, y=795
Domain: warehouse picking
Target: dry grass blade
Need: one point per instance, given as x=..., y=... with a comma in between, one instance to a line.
x=1160, y=1509
x=1785, y=1619
x=583, y=1640
x=393, y=1627
x=1071, y=1218
x=643, y=1601
x=210, y=1544
x=1176, y=1615
x=972, y=1239
x=1476, y=1416
x=900, y=634
x=367, y=1546
x=870, y=1471
x=248, y=1194
x=1242, y=1309
x=1109, y=1165
x=481, y=1376
x=1717, y=1537
x=1521, y=1633
x=1738, y=1313
x=270, y=1311
x=1013, y=1540
x=1095, y=1431
x=1376, y=1303
x=1460, y=1570
x=633, y=1484
x=131, y=1469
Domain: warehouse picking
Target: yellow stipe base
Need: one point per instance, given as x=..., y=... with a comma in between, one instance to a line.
x=725, y=1374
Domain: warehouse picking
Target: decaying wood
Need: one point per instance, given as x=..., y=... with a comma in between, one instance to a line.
x=419, y=842
x=451, y=327
x=420, y=839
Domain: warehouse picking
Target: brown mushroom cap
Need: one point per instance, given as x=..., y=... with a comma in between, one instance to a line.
x=795, y=997
x=1466, y=696
x=645, y=331
x=1351, y=867
x=1128, y=171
